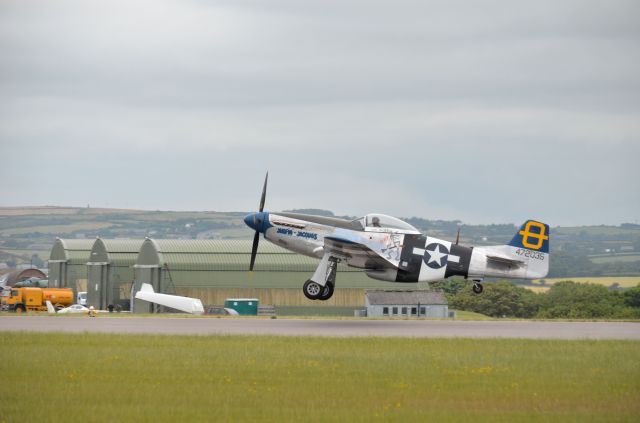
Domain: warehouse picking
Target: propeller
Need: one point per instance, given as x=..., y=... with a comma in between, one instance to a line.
x=458, y=236
x=256, y=237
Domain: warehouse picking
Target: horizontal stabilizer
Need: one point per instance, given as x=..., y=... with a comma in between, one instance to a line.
x=50, y=307
x=186, y=304
x=505, y=260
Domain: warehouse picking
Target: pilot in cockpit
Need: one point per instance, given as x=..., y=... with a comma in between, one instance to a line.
x=375, y=222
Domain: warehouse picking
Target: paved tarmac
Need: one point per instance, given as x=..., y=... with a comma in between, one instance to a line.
x=325, y=327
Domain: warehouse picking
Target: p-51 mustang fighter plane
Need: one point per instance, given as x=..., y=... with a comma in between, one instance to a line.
x=389, y=249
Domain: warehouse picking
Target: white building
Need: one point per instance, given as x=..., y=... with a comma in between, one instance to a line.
x=381, y=303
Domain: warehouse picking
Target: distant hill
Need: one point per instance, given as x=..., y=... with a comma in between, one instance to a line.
x=576, y=251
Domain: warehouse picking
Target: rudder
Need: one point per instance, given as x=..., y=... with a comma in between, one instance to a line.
x=532, y=235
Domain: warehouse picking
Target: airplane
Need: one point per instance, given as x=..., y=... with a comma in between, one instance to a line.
x=389, y=249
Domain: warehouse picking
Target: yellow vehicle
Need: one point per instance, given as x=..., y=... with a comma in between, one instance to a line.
x=6, y=293
x=35, y=299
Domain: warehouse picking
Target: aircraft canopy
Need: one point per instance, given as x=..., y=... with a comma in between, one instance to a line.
x=375, y=220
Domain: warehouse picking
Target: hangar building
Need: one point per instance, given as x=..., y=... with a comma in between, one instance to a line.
x=192, y=267
x=419, y=303
x=211, y=270
x=68, y=263
x=20, y=275
x=110, y=270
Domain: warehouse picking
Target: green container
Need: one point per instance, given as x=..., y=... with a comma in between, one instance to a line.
x=244, y=306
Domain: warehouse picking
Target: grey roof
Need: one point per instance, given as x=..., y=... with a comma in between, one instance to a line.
x=383, y=297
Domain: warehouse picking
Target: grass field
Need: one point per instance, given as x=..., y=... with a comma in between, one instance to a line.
x=623, y=281
x=538, y=289
x=594, y=230
x=57, y=229
x=614, y=258
x=92, y=377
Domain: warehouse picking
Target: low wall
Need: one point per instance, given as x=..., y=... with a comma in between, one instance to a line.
x=274, y=296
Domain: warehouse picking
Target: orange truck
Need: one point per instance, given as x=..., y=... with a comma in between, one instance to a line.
x=21, y=300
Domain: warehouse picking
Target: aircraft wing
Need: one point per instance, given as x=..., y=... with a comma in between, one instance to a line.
x=186, y=304
x=356, y=252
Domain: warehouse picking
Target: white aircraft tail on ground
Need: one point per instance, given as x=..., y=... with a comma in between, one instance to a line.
x=186, y=304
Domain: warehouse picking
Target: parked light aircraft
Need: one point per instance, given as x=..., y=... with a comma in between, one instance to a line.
x=389, y=249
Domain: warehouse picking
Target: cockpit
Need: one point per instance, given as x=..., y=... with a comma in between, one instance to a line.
x=375, y=222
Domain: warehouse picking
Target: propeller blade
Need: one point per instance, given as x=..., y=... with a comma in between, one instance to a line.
x=254, y=250
x=264, y=192
x=458, y=236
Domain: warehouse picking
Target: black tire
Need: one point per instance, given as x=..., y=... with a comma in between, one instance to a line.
x=20, y=308
x=327, y=292
x=478, y=288
x=312, y=290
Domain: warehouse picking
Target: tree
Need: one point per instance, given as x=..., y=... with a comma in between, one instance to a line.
x=572, y=300
x=631, y=297
x=450, y=286
x=500, y=299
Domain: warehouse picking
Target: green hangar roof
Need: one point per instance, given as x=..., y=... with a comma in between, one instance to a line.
x=220, y=255
x=118, y=252
x=74, y=251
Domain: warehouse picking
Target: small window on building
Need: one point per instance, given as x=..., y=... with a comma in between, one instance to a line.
x=385, y=311
x=235, y=303
x=404, y=311
x=423, y=311
x=250, y=302
x=414, y=311
x=395, y=311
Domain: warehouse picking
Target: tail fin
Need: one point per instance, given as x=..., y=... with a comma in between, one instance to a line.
x=526, y=256
x=532, y=235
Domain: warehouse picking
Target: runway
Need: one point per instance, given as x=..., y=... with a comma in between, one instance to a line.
x=324, y=327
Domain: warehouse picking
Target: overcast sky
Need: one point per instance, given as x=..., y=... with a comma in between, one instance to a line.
x=483, y=111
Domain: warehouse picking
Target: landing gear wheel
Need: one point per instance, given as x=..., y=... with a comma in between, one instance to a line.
x=312, y=290
x=477, y=288
x=327, y=292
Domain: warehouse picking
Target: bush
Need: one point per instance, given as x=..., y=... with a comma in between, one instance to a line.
x=500, y=299
x=564, y=300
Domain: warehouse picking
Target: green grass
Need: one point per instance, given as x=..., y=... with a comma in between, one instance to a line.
x=93, y=377
x=470, y=315
x=594, y=230
x=615, y=258
x=623, y=281
x=59, y=229
x=26, y=254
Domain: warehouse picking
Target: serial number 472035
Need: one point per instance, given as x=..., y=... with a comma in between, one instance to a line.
x=537, y=255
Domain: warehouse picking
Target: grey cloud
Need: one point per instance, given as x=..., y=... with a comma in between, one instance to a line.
x=473, y=110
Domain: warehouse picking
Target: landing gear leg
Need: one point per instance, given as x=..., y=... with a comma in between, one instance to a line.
x=329, y=287
x=477, y=287
x=326, y=271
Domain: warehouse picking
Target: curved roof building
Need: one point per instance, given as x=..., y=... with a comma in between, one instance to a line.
x=110, y=270
x=68, y=263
